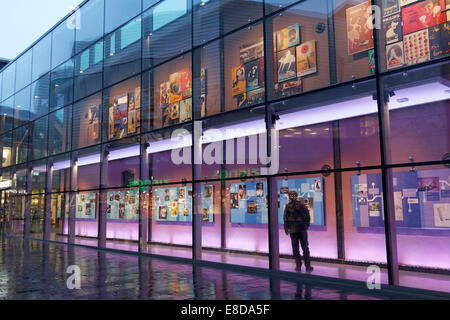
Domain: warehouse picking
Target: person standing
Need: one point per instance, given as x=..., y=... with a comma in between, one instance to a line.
x=296, y=223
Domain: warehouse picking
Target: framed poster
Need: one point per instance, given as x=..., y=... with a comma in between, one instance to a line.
x=164, y=89
x=86, y=206
x=208, y=203
x=395, y=55
x=288, y=88
x=175, y=87
x=423, y=15
x=123, y=205
x=306, y=58
x=248, y=202
x=186, y=110
x=359, y=28
x=186, y=83
x=251, y=51
x=417, y=47
x=390, y=7
x=439, y=39
x=392, y=27
x=286, y=64
x=311, y=194
x=238, y=80
x=253, y=78
x=288, y=37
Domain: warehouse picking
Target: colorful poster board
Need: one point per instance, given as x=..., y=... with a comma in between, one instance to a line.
x=248, y=202
x=175, y=204
x=359, y=28
x=310, y=192
x=86, y=206
x=423, y=15
x=124, y=115
x=123, y=205
x=421, y=199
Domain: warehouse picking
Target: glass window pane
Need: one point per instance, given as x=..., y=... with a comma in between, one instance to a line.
x=122, y=214
x=119, y=12
x=170, y=102
x=406, y=41
x=21, y=144
x=167, y=31
x=59, y=131
x=89, y=71
x=23, y=72
x=123, y=52
x=41, y=57
x=86, y=122
x=215, y=18
x=40, y=97
x=9, y=78
x=39, y=143
x=39, y=176
x=124, y=162
x=6, y=144
x=7, y=111
x=22, y=107
x=91, y=17
x=419, y=112
x=244, y=68
x=88, y=168
x=122, y=110
x=61, y=85
x=63, y=40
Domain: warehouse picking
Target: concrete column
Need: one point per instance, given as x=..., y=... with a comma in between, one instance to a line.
x=27, y=218
x=73, y=199
x=48, y=201
x=144, y=197
x=102, y=221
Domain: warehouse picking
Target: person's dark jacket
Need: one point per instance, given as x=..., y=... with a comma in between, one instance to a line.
x=296, y=217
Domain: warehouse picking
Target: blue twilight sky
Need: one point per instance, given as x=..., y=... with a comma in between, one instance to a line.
x=24, y=21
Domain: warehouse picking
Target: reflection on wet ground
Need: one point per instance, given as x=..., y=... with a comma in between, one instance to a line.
x=37, y=270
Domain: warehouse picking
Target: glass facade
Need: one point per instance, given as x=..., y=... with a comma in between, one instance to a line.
x=178, y=127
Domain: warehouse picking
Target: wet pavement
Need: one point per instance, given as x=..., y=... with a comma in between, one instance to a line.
x=37, y=270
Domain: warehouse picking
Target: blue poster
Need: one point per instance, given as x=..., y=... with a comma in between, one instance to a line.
x=310, y=192
x=86, y=207
x=123, y=205
x=248, y=202
x=418, y=200
x=175, y=204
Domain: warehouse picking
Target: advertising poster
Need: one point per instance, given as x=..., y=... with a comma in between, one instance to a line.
x=255, y=97
x=306, y=58
x=86, y=206
x=175, y=84
x=252, y=51
x=253, y=78
x=132, y=121
x=119, y=119
x=248, y=202
x=203, y=80
x=93, y=116
x=392, y=27
x=406, y=2
x=359, y=28
x=207, y=203
x=442, y=215
x=310, y=193
x=286, y=64
x=423, y=15
x=288, y=88
x=395, y=55
x=390, y=7
x=238, y=80
x=439, y=40
x=186, y=110
x=123, y=205
x=186, y=83
x=417, y=47
x=288, y=37
x=203, y=110
x=164, y=89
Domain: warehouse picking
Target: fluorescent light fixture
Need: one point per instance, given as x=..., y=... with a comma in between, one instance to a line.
x=426, y=93
x=90, y=159
x=61, y=165
x=128, y=152
x=42, y=168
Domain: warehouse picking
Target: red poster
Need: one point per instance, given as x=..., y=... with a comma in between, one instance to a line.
x=423, y=15
x=359, y=28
